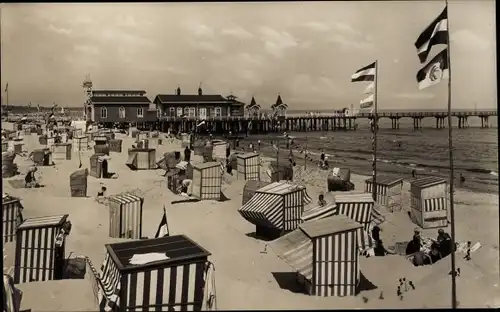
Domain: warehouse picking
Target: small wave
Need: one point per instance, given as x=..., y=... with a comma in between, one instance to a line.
x=480, y=170
x=494, y=173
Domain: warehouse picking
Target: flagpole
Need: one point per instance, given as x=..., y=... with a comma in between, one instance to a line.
x=374, y=134
x=452, y=178
x=166, y=219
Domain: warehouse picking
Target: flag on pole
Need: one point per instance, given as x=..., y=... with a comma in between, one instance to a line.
x=163, y=226
x=200, y=124
x=370, y=88
x=367, y=102
x=366, y=73
x=29, y=105
x=435, y=33
x=434, y=71
x=6, y=87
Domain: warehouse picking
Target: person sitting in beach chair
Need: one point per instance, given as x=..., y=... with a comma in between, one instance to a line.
x=184, y=187
x=29, y=179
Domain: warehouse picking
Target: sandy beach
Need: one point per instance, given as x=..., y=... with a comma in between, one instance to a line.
x=245, y=274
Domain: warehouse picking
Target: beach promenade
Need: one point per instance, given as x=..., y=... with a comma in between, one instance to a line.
x=248, y=275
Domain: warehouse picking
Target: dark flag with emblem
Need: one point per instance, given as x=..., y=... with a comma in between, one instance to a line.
x=434, y=71
x=163, y=226
x=435, y=33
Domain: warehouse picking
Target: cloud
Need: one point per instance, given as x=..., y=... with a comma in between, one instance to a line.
x=120, y=36
x=250, y=59
x=306, y=87
x=60, y=30
x=469, y=40
x=351, y=42
x=396, y=61
x=238, y=32
x=200, y=30
x=316, y=26
x=415, y=96
x=208, y=46
x=345, y=28
x=87, y=49
x=275, y=42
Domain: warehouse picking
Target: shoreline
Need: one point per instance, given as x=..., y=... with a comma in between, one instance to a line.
x=340, y=161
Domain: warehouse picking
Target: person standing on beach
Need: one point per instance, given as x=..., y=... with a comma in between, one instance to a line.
x=321, y=200
x=187, y=154
x=414, y=173
x=462, y=179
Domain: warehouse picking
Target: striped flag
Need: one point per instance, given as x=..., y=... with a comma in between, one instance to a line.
x=163, y=226
x=29, y=105
x=435, y=33
x=366, y=73
x=6, y=87
x=201, y=124
x=367, y=102
x=370, y=88
x=434, y=71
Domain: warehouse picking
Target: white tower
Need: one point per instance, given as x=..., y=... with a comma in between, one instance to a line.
x=87, y=87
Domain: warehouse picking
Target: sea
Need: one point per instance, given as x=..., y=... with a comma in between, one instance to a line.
x=475, y=150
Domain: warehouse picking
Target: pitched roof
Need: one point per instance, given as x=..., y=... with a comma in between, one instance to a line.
x=191, y=98
x=119, y=91
x=120, y=99
x=252, y=102
x=279, y=103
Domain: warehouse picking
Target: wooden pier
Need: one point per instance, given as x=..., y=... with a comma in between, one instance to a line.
x=307, y=123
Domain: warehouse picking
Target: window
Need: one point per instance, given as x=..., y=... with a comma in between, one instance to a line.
x=218, y=112
x=192, y=112
x=104, y=112
x=172, y=112
x=140, y=112
x=203, y=113
x=121, y=112
x=158, y=113
x=229, y=112
x=179, y=111
x=186, y=111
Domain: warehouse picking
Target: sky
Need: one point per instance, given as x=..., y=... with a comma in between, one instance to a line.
x=306, y=52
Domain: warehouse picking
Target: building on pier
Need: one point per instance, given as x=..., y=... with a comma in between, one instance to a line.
x=253, y=109
x=122, y=106
x=198, y=105
x=279, y=108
